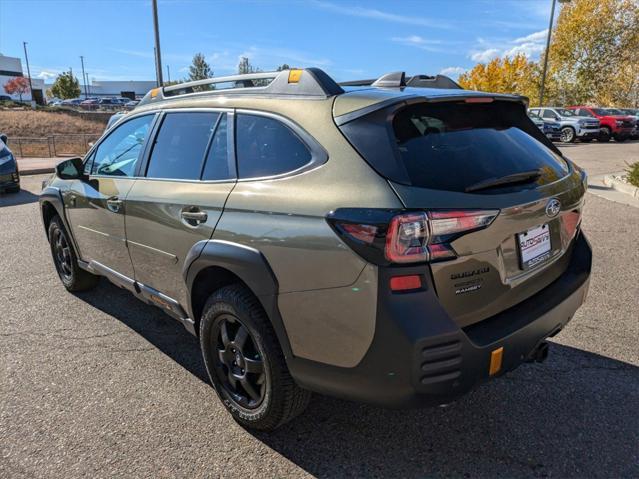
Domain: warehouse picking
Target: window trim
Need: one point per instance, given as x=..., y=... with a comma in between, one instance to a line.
x=319, y=155
x=90, y=155
x=229, y=139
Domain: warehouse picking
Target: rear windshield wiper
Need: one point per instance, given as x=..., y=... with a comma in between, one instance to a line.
x=515, y=178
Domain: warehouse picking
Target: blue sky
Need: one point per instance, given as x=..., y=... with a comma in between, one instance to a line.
x=349, y=39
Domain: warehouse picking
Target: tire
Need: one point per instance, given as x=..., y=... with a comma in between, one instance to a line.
x=568, y=134
x=604, y=135
x=235, y=336
x=72, y=276
x=620, y=139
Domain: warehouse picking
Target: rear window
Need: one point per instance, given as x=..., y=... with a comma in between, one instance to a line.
x=452, y=146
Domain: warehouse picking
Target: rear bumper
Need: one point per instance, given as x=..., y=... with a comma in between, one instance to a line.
x=8, y=181
x=419, y=356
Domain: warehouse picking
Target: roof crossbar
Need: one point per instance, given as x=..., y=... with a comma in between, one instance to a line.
x=399, y=80
x=309, y=82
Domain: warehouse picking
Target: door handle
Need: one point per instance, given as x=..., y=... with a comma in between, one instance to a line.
x=114, y=204
x=196, y=216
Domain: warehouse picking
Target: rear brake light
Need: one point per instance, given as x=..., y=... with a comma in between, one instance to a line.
x=385, y=237
x=479, y=99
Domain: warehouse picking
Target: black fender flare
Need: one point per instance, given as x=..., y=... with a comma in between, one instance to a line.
x=250, y=266
x=53, y=195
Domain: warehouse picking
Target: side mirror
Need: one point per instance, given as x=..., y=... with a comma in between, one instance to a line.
x=71, y=169
x=3, y=138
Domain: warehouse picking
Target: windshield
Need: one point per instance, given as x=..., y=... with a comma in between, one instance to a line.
x=564, y=112
x=614, y=111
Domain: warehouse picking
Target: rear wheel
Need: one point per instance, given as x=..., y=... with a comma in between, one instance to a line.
x=567, y=134
x=604, y=135
x=245, y=362
x=72, y=276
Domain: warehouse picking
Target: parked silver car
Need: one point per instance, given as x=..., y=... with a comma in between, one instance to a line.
x=573, y=127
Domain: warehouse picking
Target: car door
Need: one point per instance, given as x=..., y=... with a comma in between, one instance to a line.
x=96, y=207
x=189, y=174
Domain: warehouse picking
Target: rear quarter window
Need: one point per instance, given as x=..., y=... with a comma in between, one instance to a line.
x=267, y=147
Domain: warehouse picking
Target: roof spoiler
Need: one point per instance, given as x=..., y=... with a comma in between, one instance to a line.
x=399, y=80
x=307, y=82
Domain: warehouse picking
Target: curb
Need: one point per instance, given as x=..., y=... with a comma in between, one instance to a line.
x=36, y=171
x=621, y=186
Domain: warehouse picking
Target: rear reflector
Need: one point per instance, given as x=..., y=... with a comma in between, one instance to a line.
x=405, y=283
x=479, y=99
x=496, y=357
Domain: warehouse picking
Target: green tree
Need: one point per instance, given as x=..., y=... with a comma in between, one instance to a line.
x=245, y=67
x=199, y=69
x=66, y=86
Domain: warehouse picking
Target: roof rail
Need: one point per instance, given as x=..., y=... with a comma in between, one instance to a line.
x=399, y=80
x=311, y=82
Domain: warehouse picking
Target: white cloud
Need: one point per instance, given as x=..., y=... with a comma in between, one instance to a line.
x=484, y=55
x=380, y=15
x=533, y=37
x=531, y=46
x=453, y=71
x=420, y=42
x=45, y=75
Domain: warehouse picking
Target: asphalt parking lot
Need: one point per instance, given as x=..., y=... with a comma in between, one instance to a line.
x=100, y=385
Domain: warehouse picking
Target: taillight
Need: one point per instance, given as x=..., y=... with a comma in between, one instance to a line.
x=390, y=236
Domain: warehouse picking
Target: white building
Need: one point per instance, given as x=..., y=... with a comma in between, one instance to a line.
x=127, y=89
x=11, y=67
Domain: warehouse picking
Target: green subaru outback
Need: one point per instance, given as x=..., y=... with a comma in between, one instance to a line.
x=396, y=242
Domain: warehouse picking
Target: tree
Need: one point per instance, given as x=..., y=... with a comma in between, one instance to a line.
x=199, y=69
x=245, y=67
x=283, y=66
x=594, y=54
x=505, y=75
x=19, y=85
x=66, y=86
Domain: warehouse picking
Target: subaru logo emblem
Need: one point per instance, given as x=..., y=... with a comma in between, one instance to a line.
x=553, y=207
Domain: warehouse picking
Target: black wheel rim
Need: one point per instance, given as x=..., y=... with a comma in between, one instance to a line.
x=239, y=362
x=61, y=254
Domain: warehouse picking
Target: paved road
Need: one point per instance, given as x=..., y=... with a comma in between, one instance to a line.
x=101, y=385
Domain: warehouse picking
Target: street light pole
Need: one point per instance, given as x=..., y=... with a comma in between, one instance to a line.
x=547, y=52
x=158, y=58
x=86, y=94
x=26, y=57
x=168, y=74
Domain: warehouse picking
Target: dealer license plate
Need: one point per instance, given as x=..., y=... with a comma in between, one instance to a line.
x=534, y=246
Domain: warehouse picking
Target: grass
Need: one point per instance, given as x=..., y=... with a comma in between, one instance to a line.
x=632, y=174
x=41, y=124
x=49, y=133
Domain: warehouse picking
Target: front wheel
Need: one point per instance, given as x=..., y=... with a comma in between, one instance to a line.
x=72, y=276
x=567, y=134
x=245, y=363
x=604, y=135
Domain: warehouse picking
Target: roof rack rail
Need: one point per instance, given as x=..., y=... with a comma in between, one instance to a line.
x=399, y=80
x=311, y=82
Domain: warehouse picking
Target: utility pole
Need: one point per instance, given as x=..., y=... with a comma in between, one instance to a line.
x=158, y=57
x=547, y=52
x=168, y=74
x=86, y=94
x=26, y=57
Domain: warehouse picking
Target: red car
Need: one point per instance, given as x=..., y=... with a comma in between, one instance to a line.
x=613, y=125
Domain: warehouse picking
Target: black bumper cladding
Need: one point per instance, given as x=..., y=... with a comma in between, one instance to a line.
x=419, y=356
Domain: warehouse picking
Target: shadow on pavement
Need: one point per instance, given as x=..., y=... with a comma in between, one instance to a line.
x=14, y=199
x=573, y=416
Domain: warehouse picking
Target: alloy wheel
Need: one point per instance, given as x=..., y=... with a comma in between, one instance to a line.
x=567, y=135
x=62, y=254
x=240, y=366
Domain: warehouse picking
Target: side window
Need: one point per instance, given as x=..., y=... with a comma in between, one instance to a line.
x=267, y=147
x=217, y=161
x=584, y=112
x=88, y=163
x=535, y=111
x=549, y=114
x=178, y=151
x=118, y=154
